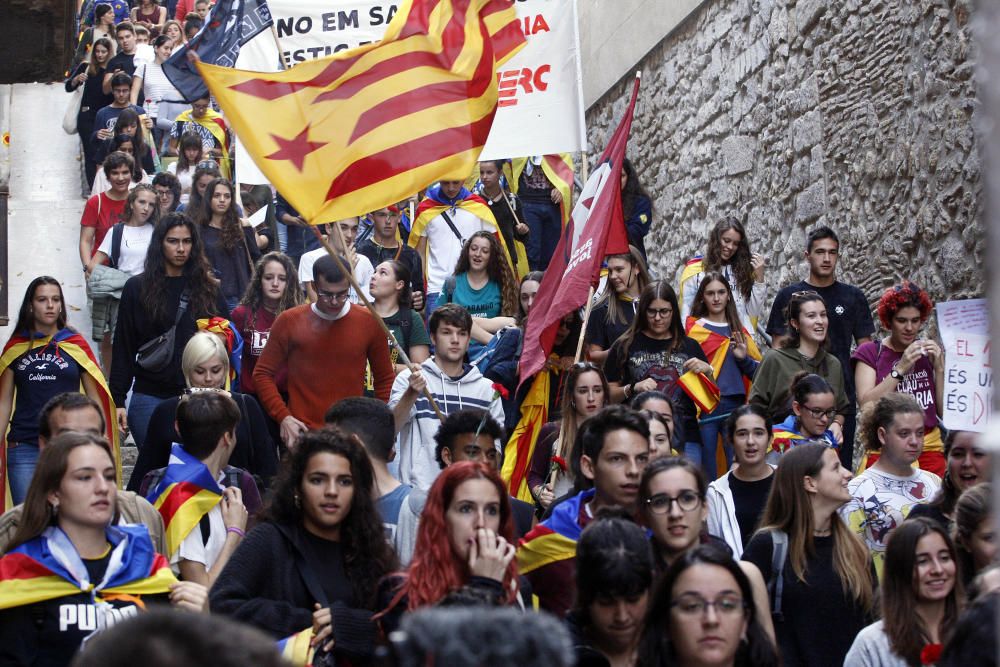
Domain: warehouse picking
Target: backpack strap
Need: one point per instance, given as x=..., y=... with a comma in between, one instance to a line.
x=232, y=478
x=448, y=289
x=117, y=234
x=451, y=225
x=776, y=584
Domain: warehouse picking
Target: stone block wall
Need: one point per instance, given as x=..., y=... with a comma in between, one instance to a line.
x=857, y=114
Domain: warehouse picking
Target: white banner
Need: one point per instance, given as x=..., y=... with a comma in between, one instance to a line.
x=968, y=377
x=541, y=88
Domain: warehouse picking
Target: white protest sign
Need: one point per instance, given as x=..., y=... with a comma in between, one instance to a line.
x=541, y=95
x=968, y=379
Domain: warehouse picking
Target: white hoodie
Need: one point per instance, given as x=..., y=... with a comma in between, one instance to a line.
x=417, y=465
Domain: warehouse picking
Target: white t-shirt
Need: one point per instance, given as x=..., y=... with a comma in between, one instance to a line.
x=194, y=549
x=135, y=241
x=185, y=177
x=444, y=248
x=363, y=272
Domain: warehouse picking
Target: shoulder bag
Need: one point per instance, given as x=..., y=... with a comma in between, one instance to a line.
x=155, y=355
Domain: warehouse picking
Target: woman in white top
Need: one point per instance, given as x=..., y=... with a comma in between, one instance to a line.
x=163, y=101
x=189, y=155
x=138, y=219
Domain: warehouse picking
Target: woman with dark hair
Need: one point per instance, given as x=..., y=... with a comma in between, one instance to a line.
x=736, y=500
x=90, y=75
x=130, y=125
x=316, y=556
x=826, y=579
x=905, y=363
x=614, y=574
x=729, y=254
x=168, y=192
x=163, y=101
x=274, y=288
x=921, y=600
x=190, y=153
x=44, y=357
x=389, y=288
x=734, y=356
x=103, y=28
x=702, y=614
x=812, y=413
x=231, y=247
x=673, y=505
x=465, y=540
x=584, y=393
x=150, y=15
x=527, y=291
x=615, y=309
x=969, y=464
x=175, y=289
x=974, y=532
x=805, y=350
x=637, y=208
x=205, y=172
x=655, y=354
x=661, y=434
x=88, y=572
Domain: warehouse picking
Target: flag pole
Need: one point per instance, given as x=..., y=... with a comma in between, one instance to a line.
x=277, y=44
x=349, y=272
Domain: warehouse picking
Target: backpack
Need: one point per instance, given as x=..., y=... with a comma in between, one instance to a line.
x=117, y=233
x=232, y=478
x=776, y=583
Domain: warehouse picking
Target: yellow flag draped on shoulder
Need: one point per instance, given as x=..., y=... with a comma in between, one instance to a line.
x=521, y=446
x=368, y=127
x=558, y=169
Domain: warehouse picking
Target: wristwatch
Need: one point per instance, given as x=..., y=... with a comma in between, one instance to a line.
x=895, y=374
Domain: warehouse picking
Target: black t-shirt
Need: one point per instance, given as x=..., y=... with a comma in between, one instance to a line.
x=649, y=358
x=850, y=319
x=332, y=576
x=603, y=333
x=377, y=254
x=820, y=621
x=749, y=499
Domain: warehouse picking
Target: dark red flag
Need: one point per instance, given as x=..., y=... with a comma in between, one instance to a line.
x=595, y=229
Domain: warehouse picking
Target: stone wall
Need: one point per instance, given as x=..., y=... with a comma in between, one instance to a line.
x=857, y=114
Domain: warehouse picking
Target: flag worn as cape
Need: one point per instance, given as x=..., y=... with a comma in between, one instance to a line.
x=692, y=268
x=716, y=346
x=230, y=24
x=436, y=203
x=555, y=538
x=521, y=446
x=49, y=567
x=786, y=435
x=595, y=229
x=368, y=127
x=558, y=169
x=73, y=344
x=213, y=122
x=186, y=493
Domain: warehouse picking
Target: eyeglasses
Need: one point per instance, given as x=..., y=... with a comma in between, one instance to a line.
x=164, y=193
x=688, y=501
x=694, y=606
x=654, y=313
x=333, y=296
x=819, y=414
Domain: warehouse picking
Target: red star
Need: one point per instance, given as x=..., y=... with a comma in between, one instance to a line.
x=295, y=150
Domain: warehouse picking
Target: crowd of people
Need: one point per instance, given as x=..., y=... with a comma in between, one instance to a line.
x=336, y=446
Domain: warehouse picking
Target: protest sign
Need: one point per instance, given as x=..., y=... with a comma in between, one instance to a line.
x=540, y=111
x=968, y=380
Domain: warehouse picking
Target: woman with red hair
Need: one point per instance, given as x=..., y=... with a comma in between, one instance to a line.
x=464, y=548
x=906, y=363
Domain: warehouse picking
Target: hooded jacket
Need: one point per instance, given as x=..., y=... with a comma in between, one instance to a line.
x=418, y=466
x=722, y=521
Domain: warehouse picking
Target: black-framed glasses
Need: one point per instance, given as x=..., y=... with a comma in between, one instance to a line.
x=688, y=501
x=819, y=414
x=695, y=606
x=654, y=313
x=333, y=296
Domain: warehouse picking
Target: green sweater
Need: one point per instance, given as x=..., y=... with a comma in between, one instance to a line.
x=770, y=384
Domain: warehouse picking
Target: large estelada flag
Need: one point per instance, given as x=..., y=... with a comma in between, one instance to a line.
x=368, y=127
x=72, y=344
x=555, y=538
x=48, y=567
x=230, y=25
x=186, y=493
x=596, y=229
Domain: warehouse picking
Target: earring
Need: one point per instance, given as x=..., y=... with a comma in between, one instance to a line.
x=55, y=509
x=297, y=503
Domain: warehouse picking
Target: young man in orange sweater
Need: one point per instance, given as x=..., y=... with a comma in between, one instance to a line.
x=325, y=346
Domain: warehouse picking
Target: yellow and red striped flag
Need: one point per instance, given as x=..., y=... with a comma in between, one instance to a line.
x=558, y=169
x=365, y=128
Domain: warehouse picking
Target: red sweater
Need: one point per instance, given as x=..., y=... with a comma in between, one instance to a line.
x=325, y=361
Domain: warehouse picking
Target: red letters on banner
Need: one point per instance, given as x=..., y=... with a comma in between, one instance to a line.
x=511, y=81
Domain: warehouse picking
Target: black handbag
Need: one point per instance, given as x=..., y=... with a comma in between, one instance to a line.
x=155, y=355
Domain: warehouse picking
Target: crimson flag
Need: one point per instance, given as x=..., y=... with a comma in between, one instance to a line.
x=595, y=229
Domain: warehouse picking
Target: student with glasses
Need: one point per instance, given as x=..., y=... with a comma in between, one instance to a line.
x=812, y=413
x=805, y=349
x=654, y=354
x=824, y=594
x=701, y=614
x=673, y=505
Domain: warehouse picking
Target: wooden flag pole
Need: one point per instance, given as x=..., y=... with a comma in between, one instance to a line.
x=349, y=272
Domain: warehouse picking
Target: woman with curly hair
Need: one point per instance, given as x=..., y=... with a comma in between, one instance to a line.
x=316, y=556
x=484, y=285
x=175, y=272
x=274, y=288
x=465, y=541
x=729, y=254
x=906, y=363
x=231, y=247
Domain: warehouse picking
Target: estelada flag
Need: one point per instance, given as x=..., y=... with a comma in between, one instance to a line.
x=368, y=127
x=596, y=229
x=557, y=168
x=69, y=342
x=186, y=493
x=49, y=567
x=555, y=538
